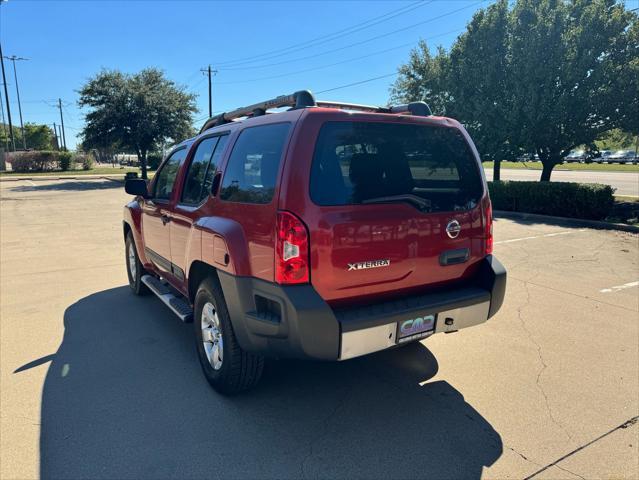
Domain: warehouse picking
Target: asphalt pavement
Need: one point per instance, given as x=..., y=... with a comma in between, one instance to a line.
x=98, y=383
x=625, y=183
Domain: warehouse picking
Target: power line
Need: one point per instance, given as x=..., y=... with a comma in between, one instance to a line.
x=358, y=83
x=377, y=37
x=332, y=88
x=328, y=37
x=353, y=59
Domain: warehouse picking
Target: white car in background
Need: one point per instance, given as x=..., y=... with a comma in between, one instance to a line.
x=576, y=156
x=623, y=156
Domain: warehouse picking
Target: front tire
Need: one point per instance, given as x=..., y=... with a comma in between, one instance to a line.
x=227, y=367
x=134, y=267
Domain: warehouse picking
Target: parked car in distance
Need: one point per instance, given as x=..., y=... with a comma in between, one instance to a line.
x=528, y=157
x=623, y=156
x=576, y=156
x=326, y=231
x=602, y=156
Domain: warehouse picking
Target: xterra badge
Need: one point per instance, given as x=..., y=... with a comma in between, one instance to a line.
x=369, y=264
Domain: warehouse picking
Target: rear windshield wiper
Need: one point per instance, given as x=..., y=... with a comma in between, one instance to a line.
x=421, y=203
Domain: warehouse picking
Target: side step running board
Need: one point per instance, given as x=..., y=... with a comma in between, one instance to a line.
x=176, y=303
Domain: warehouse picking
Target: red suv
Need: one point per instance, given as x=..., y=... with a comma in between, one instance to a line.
x=324, y=230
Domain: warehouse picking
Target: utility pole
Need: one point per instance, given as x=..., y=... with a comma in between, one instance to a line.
x=6, y=98
x=55, y=136
x=64, y=139
x=4, y=126
x=13, y=59
x=209, y=72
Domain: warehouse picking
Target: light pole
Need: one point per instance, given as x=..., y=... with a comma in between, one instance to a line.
x=13, y=59
x=6, y=98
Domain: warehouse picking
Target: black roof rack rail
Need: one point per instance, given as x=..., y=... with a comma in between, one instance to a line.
x=304, y=99
x=420, y=109
x=300, y=99
x=352, y=106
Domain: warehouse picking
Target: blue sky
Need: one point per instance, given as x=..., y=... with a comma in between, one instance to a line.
x=248, y=42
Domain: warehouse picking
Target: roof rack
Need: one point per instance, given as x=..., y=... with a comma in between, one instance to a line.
x=304, y=99
x=420, y=109
x=301, y=99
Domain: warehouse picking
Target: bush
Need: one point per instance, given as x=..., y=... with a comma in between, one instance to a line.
x=85, y=159
x=153, y=160
x=34, y=161
x=66, y=161
x=591, y=201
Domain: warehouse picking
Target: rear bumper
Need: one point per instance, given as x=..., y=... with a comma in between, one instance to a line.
x=294, y=321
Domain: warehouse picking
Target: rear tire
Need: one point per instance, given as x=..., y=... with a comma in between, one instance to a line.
x=134, y=268
x=227, y=367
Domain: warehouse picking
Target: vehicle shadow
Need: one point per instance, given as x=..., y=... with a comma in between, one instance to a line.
x=70, y=185
x=124, y=398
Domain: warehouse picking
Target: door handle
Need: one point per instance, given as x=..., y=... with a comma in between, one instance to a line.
x=165, y=219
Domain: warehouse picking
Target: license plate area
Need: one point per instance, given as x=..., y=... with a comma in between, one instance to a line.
x=416, y=328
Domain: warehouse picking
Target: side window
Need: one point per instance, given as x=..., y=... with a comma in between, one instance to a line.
x=215, y=161
x=251, y=173
x=192, y=192
x=165, y=178
x=199, y=179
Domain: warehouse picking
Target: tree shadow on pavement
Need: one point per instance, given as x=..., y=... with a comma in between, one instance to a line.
x=124, y=398
x=69, y=185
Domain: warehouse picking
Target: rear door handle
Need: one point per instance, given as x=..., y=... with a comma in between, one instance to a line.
x=454, y=257
x=165, y=219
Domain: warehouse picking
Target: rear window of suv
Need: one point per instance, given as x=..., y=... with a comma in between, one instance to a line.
x=370, y=162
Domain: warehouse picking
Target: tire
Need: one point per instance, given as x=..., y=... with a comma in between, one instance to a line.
x=234, y=370
x=134, y=269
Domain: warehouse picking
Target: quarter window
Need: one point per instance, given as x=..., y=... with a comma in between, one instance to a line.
x=251, y=174
x=202, y=169
x=165, y=178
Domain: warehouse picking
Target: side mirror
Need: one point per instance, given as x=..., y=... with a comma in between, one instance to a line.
x=136, y=186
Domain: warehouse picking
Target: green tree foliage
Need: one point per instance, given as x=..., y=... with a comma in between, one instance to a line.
x=617, y=139
x=5, y=138
x=135, y=112
x=539, y=76
x=38, y=137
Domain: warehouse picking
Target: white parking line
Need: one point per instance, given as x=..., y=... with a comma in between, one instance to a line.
x=30, y=183
x=620, y=287
x=566, y=232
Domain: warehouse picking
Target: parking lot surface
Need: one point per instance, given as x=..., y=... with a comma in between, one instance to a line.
x=98, y=383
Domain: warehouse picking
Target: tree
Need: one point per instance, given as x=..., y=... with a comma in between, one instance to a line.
x=616, y=140
x=135, y=112
x=543, y=76
x=38, y=137
x=573, y=79
x=423, y=78
x=481, y=54
x=5, y=142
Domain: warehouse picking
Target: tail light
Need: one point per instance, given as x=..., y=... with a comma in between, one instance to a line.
x=291, y=250
x=488, y=225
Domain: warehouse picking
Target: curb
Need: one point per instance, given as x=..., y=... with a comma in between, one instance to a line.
x=576, y=222
x=43, y=178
